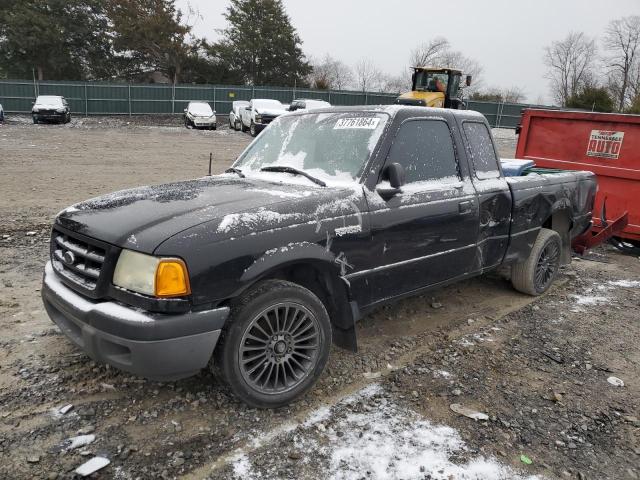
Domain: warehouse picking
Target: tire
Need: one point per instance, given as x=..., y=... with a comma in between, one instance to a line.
x=254, y=328
x=242, y=127
x=231, y=125
x=253, y=130
x=214, y=127
x=35, y=120
x=535, y=275
x=236, y=127
x=625, y=245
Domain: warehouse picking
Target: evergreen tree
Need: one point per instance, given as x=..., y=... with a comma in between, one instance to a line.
x=596, y=99
x=58, y=39
x=260, y=45
x=149, y=35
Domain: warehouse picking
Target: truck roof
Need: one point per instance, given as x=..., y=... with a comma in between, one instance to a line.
x=395, y=110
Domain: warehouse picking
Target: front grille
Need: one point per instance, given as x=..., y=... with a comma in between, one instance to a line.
x=267, y=118
x=76, y=259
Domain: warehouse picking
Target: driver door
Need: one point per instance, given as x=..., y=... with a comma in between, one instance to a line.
x=427, y=233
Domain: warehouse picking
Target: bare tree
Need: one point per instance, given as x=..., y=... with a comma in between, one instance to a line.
x=368, y=76
x=330, y=73
x=428, y=53
x=438, y=53
x=622, y=41
x=395, y=84
x=512, y=94
x=570, y=64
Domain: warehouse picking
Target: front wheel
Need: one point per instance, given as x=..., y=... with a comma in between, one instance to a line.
x=275, y=345
x=253, y=130
x=535, y=275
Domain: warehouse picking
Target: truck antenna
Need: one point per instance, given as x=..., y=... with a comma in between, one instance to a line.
x=210, y=159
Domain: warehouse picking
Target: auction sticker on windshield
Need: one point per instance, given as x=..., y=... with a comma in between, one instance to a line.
x=369, y=123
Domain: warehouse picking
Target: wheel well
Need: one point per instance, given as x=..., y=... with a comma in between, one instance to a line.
x=561, y=222
x=332, y=292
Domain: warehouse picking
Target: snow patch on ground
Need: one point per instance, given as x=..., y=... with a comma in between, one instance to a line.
x=625, y=283
x=384, y=440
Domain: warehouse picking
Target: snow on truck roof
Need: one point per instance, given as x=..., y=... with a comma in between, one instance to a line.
x=394, y=109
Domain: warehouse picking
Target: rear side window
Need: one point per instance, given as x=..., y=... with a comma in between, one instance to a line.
x=425, y=149
x=485, y=160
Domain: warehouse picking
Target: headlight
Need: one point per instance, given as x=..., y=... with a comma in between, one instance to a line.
x=157, y=276
x=35, y=110
x=258, y=118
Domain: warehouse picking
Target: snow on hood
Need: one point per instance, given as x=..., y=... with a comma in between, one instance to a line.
x=200, y=110
x=48, y=101
x=270, y=111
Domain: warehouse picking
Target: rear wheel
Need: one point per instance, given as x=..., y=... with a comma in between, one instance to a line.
x=275, y=345
x=35, y=120
x=535, y=275
x=242, y=127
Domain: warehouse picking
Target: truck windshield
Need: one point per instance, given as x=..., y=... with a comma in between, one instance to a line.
x=330, y=146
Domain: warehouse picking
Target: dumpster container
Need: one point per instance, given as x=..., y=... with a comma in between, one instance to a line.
x=606, y=144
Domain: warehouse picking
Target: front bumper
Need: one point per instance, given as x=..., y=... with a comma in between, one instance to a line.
x=153, y=345
x=204, y=122
x=49, y=115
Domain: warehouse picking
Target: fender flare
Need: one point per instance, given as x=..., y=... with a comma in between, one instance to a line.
x=343, y=313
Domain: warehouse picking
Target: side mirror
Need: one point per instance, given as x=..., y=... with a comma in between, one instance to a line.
x=394, y=173
x=185, y=110
x=467, y=81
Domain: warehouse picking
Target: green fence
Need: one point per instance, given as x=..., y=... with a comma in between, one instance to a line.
x=104, y=98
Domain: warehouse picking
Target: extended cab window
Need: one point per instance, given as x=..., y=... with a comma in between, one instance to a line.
x=425, y=149
x=483, y=155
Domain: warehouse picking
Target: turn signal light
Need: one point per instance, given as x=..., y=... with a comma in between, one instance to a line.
x=172, y=279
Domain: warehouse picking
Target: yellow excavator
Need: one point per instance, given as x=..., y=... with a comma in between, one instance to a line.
x=435, y=87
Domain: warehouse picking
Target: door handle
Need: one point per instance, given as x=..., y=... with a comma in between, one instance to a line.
x=465, y=207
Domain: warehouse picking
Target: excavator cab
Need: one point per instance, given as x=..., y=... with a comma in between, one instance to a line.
x=435, y=87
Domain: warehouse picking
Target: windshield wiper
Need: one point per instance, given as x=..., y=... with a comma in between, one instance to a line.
x=293, y=170
x=235, y=170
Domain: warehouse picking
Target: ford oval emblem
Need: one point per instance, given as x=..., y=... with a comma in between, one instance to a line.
x=68, y=257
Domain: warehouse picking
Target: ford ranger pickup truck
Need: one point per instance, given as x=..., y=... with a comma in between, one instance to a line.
x=325, y=216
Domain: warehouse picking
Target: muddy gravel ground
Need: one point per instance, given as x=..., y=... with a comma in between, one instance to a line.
x=536, y=371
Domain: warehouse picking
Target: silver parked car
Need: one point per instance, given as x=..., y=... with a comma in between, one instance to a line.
x=199, y=115
x=235, y=116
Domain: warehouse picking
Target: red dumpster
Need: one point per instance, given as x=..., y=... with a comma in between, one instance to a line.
x=606, y=144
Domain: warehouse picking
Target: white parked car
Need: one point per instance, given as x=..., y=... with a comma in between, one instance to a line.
x=199, y=115
x=235, y=119
x=51, y=107
x=259, y=113
x=307, y=104
x=1, y=113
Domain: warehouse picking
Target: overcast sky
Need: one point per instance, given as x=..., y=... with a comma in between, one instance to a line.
x=506, y=36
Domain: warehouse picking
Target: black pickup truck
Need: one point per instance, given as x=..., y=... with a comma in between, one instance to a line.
x=325, y=216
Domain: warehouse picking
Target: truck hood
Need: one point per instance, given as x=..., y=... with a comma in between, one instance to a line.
x=223, y=206
x=270, y=111
x=430, y=98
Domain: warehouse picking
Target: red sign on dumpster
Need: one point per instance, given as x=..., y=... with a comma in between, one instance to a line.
x=605, y=144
